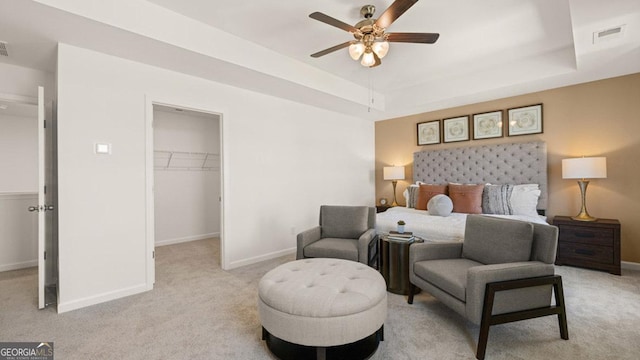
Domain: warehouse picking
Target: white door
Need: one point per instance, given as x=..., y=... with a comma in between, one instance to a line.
x=42, y=207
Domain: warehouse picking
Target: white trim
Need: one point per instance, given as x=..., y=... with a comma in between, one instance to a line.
x=18, y=266
x=101, y=298
x=628, y=265
x=187, y=239
x=257, y=259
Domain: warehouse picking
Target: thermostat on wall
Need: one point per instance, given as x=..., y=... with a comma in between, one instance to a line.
x=103, y=148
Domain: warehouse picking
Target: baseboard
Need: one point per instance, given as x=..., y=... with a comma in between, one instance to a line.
x=18, y=266
x=628, y=265
x=101, y=298
x=257, y=259
x=186, y=239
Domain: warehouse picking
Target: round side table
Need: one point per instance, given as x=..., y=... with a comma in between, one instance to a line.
x=394, y=264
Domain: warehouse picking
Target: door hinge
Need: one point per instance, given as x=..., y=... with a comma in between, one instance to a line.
x=45, y=189
x=45, y=124
x=45, y=255
x=153, y=254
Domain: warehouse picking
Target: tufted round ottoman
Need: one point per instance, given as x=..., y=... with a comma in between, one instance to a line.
x=322, y=307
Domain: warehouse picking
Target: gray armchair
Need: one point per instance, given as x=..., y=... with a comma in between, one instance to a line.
x=345, y=232
x=503, y=272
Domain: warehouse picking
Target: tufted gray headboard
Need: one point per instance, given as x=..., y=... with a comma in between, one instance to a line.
x=520, y=163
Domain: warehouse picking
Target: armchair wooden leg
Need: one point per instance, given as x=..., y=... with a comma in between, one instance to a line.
x=485, y=322
x=412, y=290
x=489, y=295
x=562, y=314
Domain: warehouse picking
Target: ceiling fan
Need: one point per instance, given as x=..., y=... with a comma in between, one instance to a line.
x=371, y=39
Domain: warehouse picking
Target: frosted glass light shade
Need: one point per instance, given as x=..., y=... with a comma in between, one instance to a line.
x=393, y=173
x=584, y=168
x=356, y=50
x=368, y=59
x=380, y=48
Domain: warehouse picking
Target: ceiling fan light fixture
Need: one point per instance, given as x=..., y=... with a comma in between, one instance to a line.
x=381, y=48
x=356, y=50
x=368, y=59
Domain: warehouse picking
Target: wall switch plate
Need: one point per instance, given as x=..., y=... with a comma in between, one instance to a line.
x=103, y=149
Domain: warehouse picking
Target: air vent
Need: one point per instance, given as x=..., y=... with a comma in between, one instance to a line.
x=3, y=48
x=608, y=34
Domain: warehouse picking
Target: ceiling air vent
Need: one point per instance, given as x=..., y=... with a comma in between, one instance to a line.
x=3, y=48
x=608, y=34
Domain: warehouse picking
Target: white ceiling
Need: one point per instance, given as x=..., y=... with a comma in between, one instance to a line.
x=487, y=49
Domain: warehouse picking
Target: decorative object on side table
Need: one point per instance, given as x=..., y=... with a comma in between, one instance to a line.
x=401, y=225
x=393, y=173
x=592, y=245
x=584, y=168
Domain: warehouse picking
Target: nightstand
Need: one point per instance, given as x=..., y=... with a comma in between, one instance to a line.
x=589, y=244
x=382, y=208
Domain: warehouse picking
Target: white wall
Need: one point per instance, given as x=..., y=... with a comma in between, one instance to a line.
x=186, y=200
x=281, y=161
x=24, y=82
x=18, y=153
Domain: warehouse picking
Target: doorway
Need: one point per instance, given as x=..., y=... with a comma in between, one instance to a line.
x=28, y=186
x=187, y=179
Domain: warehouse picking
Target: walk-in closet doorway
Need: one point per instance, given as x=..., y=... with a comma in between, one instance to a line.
x=187, y=175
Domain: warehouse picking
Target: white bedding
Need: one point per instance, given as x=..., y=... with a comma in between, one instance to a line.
x=433, y=228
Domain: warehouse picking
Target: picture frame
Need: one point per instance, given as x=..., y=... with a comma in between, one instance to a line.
x=456, y=129
x=525, y=120
x=487, y=125
x=428, y=132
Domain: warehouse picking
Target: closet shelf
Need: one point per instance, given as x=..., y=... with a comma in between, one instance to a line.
x=185, y=161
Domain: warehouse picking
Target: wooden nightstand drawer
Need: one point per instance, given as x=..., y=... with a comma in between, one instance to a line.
x=590, y=253
x=591, y=236
x=589, y=244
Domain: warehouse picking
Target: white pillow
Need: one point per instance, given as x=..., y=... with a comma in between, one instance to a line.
x=440, y=205
x=524, y=199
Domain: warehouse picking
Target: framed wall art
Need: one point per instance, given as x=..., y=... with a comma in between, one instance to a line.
x=429, y=133
x=525, y=120
x=456, y=129
x=487, y=125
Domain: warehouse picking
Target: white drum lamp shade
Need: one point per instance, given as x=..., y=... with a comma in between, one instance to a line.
x=393, y=173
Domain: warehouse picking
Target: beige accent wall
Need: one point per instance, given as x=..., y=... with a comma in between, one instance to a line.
x=600, y=118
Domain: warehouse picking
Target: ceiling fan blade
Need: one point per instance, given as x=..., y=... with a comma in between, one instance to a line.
x=333, y=22
x=423, y=38
x=331, y=49
x=393, y=12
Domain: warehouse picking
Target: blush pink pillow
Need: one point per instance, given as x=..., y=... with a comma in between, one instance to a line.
x=466, y=198
x=426, y=192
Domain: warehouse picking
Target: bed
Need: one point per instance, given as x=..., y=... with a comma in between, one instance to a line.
x=521, y=167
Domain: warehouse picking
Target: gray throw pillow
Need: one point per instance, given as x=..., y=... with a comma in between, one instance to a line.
x=440, y=205
x=490, y=240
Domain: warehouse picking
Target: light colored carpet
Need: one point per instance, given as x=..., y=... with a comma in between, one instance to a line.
x=198, y=311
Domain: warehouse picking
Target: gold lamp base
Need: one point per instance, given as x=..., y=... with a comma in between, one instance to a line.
x=394, y=203
x=584, y=214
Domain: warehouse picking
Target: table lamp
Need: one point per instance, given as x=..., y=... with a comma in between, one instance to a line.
x=584, y=168
x=393, y=173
